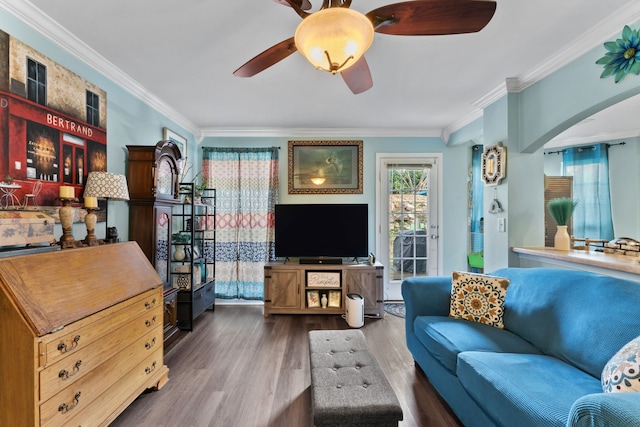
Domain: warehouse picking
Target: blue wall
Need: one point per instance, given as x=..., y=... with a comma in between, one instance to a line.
x=528, y=120
x=455, y=159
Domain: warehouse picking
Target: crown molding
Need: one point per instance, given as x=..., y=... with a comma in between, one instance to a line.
x=36, y=19
x=459, y=124
x=607, y=29
x=321, y=132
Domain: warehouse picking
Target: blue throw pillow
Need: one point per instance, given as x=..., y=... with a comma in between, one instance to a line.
x=622, y=372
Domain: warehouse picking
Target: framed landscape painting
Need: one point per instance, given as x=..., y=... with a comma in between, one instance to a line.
x=179, y=140
x=325, y=167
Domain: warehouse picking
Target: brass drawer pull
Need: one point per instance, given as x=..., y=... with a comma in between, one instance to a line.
x=66, y=408
x=151, y=322
x=65, y=375
x=62, y=347
x=150, y=305
x=150, y=369
x=149, y=345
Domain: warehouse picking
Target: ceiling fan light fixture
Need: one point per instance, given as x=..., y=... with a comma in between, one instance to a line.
x=334, y=39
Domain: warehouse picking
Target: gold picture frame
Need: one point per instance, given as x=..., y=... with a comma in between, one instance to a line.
x=494, y=164
x=313, y=299
x=325, y=167
x=335, y=299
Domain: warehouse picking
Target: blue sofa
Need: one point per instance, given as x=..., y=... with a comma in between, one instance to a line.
x=544, y=367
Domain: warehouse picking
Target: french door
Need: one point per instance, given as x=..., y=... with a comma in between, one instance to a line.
x=408, y=240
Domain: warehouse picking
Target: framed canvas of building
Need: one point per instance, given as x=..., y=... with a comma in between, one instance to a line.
x=54, y=124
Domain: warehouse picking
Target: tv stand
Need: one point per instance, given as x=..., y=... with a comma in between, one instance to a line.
x=321, y=260
x=292, y=287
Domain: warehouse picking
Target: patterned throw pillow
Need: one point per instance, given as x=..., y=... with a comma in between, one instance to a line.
x=622, y=372
x=478, y=298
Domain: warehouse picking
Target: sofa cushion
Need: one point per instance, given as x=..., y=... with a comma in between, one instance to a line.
x=445, y=337
x=622, y=372
x=478, y=298
x=580, y=317
x=524, y=389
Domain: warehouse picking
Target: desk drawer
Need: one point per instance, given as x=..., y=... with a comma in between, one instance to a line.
x=79, y=396
x=80, y=334
x=70, y=369
x=145, y=375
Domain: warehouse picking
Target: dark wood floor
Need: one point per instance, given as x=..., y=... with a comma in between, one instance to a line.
x=239, y=369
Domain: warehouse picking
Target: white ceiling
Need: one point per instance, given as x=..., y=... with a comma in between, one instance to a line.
x=181, y=54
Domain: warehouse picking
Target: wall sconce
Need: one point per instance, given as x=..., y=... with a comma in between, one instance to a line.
x=334, y=39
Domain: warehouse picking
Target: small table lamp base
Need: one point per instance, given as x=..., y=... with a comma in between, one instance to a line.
x=66, y=219
x=90, y=220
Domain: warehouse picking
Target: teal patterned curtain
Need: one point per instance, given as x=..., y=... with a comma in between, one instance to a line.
x=477, y=198
x=247, y=189
x=589, y=167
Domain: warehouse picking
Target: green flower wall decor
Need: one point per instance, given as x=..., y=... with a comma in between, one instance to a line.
x=623, y=55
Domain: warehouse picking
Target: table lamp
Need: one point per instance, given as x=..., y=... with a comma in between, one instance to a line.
x=109, y=186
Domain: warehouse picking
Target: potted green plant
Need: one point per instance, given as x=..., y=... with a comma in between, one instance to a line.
x=199, y=189
x=178, y=241
x=561, y=210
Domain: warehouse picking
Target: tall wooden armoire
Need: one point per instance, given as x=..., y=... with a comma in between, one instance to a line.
x=152, y=174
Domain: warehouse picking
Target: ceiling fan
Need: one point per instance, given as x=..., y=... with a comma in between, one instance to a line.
x=334, y=38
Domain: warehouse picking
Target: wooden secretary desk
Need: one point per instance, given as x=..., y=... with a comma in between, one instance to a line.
x=81, y=333
x=152, y=175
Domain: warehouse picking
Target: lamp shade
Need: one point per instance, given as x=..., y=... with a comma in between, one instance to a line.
x=105, y=185
x=334, y=39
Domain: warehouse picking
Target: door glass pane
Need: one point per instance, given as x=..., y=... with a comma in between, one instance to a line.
x=408, y=220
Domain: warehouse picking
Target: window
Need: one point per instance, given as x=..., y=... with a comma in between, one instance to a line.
x=93, y=108
x=589, y=167
x=36, y=82
x=408, y=218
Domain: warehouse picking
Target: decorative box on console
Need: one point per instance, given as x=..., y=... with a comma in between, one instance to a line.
x=25, y=227
x=181, y=276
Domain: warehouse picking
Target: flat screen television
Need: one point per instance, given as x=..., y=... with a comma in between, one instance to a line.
x=321, y=230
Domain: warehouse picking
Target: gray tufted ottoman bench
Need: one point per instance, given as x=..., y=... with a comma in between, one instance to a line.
x=348, y=388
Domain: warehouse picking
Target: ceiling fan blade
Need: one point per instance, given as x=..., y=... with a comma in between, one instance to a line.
x=297, y=5
x=302, y=4
x=432, y=17
x=267, y=58
x=358, y=76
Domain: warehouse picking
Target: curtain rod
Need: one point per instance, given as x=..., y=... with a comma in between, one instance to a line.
x=203, y=147
x=586, y=146
x=619, y=143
